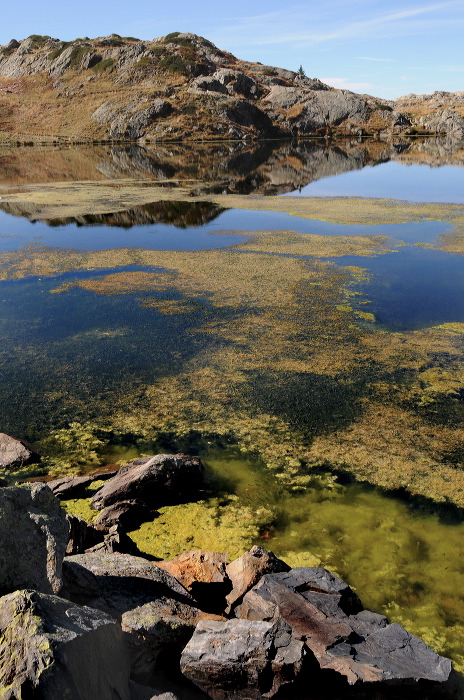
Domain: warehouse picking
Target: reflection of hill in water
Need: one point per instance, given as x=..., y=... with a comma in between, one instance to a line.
x=180, y=214
x=266, y=167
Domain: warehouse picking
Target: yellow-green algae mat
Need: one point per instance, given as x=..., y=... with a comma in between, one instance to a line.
x=296, y=321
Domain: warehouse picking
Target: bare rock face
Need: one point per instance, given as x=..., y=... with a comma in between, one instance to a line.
x=246, y=571
x=242, y=659
x=70, y=486
x=131, y=121
x=119, y=582
x=14, y=453
x=127, y=515
x=153, y=481
x=203, y=574
x=357, y=644
x=33, y=539
x=158, y=631
x=50, y=649
x=444, y=121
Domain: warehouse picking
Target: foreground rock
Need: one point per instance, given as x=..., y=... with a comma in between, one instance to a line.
x=239, y=658
x=117, y=583
x=33, y=538
x=15, y=454
x=152, y=481
x=52, y=649
x=355, y=643
x=203, y=574
x=247, y=570
x=156, y=634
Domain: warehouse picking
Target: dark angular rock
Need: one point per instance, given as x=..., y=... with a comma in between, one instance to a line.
x=127, y=514
x=50, y=649
x=14, y=453
x=92, y=537
x=33, y=538
x=70, y=486
x=156, y=634
x=324, y=612
x=242, y=659
x=152, y=481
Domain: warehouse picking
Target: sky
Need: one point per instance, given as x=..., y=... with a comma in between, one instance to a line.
x=383, y=48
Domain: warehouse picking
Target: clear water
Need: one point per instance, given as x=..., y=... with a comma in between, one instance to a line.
x=80, y=355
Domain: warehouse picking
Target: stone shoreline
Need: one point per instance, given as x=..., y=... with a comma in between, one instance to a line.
x=84, y=615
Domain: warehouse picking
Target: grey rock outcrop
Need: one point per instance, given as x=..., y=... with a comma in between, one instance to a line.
x=153, y=481
x=131, y=121
x=33, y=538
x=14, y=453
x=242, y=659
x=50, y=648
x=447, y=121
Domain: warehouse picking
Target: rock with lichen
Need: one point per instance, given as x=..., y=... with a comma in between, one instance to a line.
x=33, y=539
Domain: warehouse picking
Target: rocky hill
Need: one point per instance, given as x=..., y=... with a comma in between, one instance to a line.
x=442, y=112
x=177, y=86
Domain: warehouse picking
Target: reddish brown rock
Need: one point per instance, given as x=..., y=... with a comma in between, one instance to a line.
x=246, y=571
x=203, y=574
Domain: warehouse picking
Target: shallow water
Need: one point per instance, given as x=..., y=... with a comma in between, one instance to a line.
x=157, y=328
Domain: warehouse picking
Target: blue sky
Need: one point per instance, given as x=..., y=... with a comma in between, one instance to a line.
x=382, y=48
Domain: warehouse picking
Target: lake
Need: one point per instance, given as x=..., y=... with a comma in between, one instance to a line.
x=293, y=312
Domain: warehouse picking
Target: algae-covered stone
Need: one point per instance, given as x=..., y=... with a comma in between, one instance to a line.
x=50, y=649
x=33, y=539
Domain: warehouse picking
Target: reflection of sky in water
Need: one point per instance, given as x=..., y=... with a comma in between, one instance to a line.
x=15, y=232
x=416, y=183
x=413, y=288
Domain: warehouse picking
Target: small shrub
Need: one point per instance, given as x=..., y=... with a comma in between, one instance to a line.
x=130, y=38
x=8, y=50
x=101, y=66
x=157, y=50
x=173, y=64
x=171, y=36
x=144, y=61
x=77, y=54
x=38, y=40
x=58, y=51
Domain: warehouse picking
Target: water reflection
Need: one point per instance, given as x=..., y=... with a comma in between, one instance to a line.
x=266, y=167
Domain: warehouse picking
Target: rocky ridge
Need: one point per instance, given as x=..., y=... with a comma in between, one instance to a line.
x=179, y=86
x=106, y=624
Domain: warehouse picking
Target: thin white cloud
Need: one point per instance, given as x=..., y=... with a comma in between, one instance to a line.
x=274, y=27
x=370, y=58
x=346, y=84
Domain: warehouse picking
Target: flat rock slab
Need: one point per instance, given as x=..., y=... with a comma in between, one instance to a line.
x=355, y=643
x=120, y=582
x=153, y=481
x=14, y=453
x=33, y=539
x=52, y=649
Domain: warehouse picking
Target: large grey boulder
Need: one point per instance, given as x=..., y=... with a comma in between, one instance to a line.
x=50, y=649
x=33, y=539
x=242, y=659
x=14, y=453
x=119, y=582
x=154, y=481
x=358, y=645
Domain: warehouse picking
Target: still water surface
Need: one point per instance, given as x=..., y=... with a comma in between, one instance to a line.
x=95, y=347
